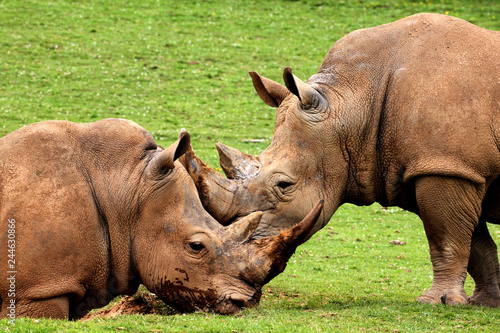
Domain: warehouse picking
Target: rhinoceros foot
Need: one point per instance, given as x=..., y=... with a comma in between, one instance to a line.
x=443, y=296
x=489, y=297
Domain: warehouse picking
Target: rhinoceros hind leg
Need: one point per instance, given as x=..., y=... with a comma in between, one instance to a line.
x=484, y=268
x=450, y=209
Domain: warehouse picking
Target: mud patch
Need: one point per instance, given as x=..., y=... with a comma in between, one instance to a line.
x=142, y=302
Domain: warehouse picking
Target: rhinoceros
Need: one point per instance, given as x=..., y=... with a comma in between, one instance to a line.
x=91, y=211
x=405, y=114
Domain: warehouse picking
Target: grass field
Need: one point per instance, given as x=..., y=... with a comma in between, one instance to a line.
x=173, y=64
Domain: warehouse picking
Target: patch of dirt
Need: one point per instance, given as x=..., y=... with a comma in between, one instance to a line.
x=142, y=302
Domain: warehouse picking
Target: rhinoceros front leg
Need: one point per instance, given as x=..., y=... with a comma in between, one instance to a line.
x=450, y=209
x=56, y=308
x=484, y=268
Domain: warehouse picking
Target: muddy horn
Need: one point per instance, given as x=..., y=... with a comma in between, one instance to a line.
x=281, y=247
x=299, y=233
x=216, y=192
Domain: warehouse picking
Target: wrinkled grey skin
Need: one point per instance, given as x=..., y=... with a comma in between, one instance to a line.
x=405, y=114
x=99, y=208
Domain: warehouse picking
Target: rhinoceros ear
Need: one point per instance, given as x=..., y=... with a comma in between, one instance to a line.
x=164, y=161
x=309, y=97
x=272, y=93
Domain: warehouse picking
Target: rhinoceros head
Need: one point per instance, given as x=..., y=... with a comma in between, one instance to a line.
x=190, y=260
x=299, y=167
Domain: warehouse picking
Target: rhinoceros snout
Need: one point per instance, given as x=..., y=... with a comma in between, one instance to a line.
x=234, y=304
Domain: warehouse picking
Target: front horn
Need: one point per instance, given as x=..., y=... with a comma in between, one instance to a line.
x=281, y=247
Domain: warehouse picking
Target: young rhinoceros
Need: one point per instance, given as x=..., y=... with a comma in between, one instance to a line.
x=90, y=211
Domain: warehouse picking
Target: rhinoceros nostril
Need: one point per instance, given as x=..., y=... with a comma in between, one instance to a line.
x=239, y=303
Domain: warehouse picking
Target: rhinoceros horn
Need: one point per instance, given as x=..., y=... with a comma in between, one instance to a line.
x=309, y=97
x=216, y=192
x=299, y=233
x=282, y=246
x=235, y=164
x=243, y=229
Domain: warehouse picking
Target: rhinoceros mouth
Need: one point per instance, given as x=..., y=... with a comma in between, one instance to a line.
x=187, y=299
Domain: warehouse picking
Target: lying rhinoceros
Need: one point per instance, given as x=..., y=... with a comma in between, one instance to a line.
x=405, y=114
x=90, y=211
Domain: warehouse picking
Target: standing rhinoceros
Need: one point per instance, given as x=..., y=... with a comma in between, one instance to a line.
x=90, y=211
x=405, y=114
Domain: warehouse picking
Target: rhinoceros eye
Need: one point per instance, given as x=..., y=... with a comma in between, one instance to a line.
x=196, y=246
x=284, y=185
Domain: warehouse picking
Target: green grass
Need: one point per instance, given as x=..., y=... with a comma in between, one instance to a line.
x=173, y=64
